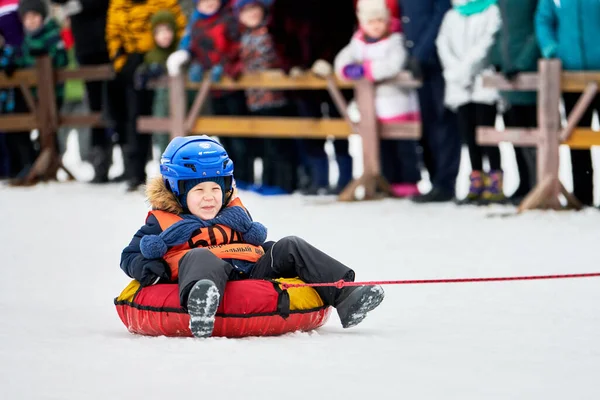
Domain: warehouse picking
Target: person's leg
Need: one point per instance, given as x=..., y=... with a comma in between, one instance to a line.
x=138, y=144
x=442, y=138
x=523, y=116
x=202, y=280
x=581, y=160
x=100, y=142
x=493, y=192
x=466, y=122
x=293, y=256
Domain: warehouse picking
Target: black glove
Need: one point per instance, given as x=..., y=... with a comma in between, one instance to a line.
x=414, y=66
x=154, y=271
x=511, y=74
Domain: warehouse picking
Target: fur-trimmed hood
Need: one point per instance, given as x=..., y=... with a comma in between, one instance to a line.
x=161, y=198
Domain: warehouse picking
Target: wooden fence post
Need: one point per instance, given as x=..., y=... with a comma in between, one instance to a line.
x=177, y=105
x=548, y=188
x=47, y=163
x=364, y=93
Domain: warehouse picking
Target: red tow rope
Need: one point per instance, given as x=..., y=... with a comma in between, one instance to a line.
x=340, y=284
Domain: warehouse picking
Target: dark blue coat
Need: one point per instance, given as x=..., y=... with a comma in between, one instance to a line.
x=133, y=262
x=421, y=20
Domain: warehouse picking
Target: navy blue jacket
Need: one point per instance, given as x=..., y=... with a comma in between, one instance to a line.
x=146, y=271
x=133, y=262
x=421, y=20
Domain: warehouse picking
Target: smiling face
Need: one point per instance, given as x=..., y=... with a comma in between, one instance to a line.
x=205, y=200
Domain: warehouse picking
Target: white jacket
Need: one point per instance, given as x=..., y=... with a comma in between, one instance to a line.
x=463, y=44
x=382, y=60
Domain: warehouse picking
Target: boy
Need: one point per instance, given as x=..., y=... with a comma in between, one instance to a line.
x=200, y=235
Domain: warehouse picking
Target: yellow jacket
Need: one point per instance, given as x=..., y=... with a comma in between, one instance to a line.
x=128, y=28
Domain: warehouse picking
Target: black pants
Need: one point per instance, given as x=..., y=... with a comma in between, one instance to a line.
x=312, y=151
x=524, y=116
x=279, y=155
x=95, y=95
x=581, y=160
x=126, y=104
x=440, y=139
x=399, y=161
x=21, y=151
x=289, y=257
x=239, y=149
x=470, y=116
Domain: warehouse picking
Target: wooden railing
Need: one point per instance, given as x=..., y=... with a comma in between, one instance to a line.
x=549, y=83
x=43, y=114
x=182, y=122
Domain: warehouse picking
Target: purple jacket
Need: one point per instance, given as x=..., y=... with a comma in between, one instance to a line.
x=10, y=24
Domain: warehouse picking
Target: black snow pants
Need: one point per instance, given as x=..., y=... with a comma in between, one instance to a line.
x=287, y=258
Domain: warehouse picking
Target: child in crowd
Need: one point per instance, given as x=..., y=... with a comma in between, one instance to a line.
x=465, y=38
x=200, y=235
x=258, y=54
x=164, y=33
x=41, y=37
x=376, y=52
x=211, y=44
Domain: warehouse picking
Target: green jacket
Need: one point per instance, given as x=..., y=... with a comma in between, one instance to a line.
x=516, y=46
x=46, y=41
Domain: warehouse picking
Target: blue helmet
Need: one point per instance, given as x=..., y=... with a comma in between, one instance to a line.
x=194, y=157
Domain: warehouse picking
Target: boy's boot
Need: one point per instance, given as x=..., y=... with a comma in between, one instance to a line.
x=202, y=305
x=493, y=191
x=354, y=302
x=475, y=189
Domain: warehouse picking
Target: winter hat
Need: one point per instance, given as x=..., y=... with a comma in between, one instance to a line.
x=165, y=17
x=38, y=6
x=367, y=10
x=191, y=183
x=239, y=4
x=158, y=54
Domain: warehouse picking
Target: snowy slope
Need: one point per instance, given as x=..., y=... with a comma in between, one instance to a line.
x=61, y=338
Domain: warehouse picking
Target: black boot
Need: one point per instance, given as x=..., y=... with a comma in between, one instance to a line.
x=101, y=160
x=436, y=195
x=202, y=305
x=354, y=302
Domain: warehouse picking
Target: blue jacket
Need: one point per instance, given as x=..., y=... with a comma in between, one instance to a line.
x=569, y=30
x=421, y=20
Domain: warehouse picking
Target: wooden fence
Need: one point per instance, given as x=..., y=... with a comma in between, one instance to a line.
x=550, y=82
x=181, y=122
x=43, y=114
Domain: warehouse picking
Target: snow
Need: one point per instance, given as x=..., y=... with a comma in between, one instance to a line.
x=61, y=338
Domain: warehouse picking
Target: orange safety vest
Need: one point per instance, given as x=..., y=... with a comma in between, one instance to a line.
x=221, y=240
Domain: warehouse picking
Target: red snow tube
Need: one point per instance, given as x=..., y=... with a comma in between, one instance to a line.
x=248, y=308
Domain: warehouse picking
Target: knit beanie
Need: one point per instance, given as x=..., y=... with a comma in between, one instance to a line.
x=38, y=6
x=239, y=4
x=367, y=10
x=191, y=183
